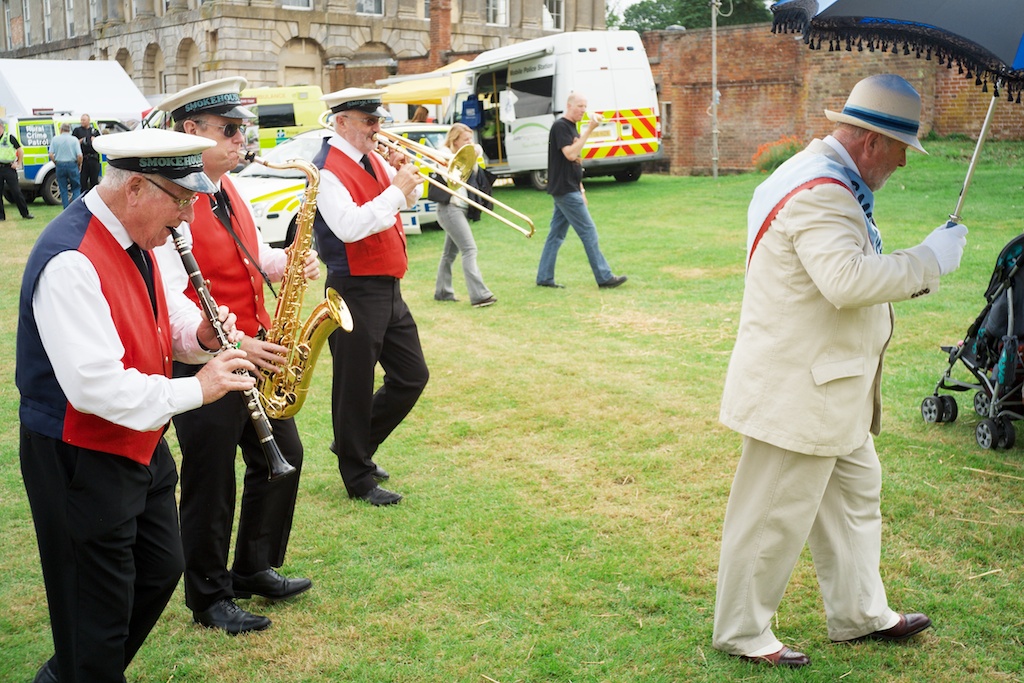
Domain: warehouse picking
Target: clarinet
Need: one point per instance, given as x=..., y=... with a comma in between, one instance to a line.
x=279, y=467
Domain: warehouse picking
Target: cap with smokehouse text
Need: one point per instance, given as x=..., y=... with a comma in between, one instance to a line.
x=220, y=97
x=366, y=100
x=175, y=156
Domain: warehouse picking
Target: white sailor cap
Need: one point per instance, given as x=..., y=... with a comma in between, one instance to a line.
x=175, y=156
x=365, y=100
x=221, y=97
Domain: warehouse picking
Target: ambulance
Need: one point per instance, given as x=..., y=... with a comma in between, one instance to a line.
x=282, y=112
x=511, y=95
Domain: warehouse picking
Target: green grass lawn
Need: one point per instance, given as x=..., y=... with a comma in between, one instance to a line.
x=565, y=475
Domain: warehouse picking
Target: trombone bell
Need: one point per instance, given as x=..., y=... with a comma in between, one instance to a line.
x=455, y=173
x=462, y=164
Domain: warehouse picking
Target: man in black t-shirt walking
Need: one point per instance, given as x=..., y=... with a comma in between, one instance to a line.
x=90, y=157
x=565, y=185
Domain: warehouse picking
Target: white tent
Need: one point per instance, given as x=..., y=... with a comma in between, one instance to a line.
x=100, y=89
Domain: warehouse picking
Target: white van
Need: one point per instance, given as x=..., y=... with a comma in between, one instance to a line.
x=511, y=95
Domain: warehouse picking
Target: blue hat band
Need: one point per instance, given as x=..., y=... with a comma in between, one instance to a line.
x=883, y=120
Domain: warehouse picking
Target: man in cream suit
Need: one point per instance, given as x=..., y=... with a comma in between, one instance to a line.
x=803, y=385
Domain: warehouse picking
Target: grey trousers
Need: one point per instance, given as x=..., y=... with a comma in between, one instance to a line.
x=458, y=239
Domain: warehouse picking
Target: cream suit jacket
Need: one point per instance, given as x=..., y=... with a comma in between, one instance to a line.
x=806, y=368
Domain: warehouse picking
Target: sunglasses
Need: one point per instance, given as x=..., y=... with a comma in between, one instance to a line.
x=229, y=129
x=368, y=120
x=182, y=203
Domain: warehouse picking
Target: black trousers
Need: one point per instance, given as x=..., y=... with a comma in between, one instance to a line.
x=209, y=437
x=9, y=183
x=383, y=331
x=90, y=174
x=107, y=529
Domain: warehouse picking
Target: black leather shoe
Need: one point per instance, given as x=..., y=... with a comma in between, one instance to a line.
x=553, y=285
x=47, y=673
x=378, y=497
x=910, y=624
x=268, y=584
x=227, y=616
x=613, y=281
x=28, y=216
x=784, y=657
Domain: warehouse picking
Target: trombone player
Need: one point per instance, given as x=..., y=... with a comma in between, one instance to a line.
x=361, y=240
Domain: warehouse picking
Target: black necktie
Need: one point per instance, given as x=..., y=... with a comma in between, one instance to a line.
x=368, y=166
x=221, y=207
x=142, y=263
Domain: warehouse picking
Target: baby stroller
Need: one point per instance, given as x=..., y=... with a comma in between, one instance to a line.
x=992, y=353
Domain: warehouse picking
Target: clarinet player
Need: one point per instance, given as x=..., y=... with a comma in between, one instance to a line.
x=95, y=340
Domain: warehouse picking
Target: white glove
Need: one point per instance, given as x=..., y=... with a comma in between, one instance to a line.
x=947, y=243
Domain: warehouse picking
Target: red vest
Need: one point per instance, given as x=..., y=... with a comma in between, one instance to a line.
x=146, y=342
x=233, y=281
x=382, y=253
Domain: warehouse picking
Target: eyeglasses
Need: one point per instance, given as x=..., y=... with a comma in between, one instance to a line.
x=368, y=120
x=229, y=129
x=182, y=203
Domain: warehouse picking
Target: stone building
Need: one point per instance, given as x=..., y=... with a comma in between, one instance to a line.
x=167, y=45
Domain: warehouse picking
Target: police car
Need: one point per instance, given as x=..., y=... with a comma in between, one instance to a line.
x=275, y=194
x=38, y=178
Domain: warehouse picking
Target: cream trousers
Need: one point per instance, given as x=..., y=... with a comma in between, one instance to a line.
x=779, y=501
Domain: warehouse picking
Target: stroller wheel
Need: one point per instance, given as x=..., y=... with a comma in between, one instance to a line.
x=932, y=409
x=989, y=434
x=982, y=402
x=1009, y=436
x=949, y=408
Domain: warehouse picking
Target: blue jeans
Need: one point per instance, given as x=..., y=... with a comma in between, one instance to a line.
x=68, y=175
x=570, y=209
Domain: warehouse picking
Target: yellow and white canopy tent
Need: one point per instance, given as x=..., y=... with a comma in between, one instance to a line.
x=433, y=87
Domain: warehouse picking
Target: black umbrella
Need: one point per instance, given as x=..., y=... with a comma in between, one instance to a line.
x=983, y=39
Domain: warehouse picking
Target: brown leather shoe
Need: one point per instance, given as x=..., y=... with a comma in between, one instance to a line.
x=784, y=657
x=910, y=624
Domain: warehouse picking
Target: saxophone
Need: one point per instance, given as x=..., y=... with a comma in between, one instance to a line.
x=284, y=392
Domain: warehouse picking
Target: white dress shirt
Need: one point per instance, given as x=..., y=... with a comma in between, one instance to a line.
x=176, y=282
x=80, y=339
x=349, y=221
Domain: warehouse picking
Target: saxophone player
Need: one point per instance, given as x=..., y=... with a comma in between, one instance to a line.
x=236, y=261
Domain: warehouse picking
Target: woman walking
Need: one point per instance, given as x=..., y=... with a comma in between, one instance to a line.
x=453, y=214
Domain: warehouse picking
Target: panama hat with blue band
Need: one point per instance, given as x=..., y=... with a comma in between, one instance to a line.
x=886, y=104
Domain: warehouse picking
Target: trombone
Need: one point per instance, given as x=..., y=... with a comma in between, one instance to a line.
x=455, y=173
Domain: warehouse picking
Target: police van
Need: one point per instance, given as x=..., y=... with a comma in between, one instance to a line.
x=511, y=95
x=38, y=178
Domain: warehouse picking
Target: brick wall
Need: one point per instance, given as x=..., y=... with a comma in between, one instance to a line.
x=773, y=86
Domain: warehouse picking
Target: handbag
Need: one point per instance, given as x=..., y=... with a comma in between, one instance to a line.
x=435, y=193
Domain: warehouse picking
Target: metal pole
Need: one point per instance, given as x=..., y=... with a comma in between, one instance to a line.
x=955, y=216
x=715, y=5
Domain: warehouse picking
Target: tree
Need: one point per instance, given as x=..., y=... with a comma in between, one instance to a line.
x=656, y=15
